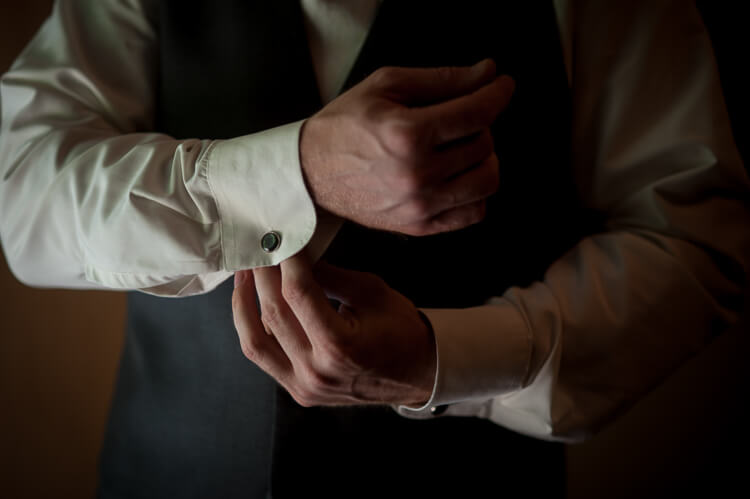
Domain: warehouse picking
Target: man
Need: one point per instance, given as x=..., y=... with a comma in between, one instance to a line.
x=556, y=283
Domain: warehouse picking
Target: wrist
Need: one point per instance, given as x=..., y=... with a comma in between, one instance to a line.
x=309, y=157
x=303, y=147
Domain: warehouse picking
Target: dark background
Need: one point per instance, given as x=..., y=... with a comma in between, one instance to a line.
x=59, y=350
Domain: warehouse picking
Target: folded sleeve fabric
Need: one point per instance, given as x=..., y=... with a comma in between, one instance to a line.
x=90, y=199
x=614, y=316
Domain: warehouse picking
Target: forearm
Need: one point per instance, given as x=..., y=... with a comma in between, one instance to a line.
x=84, y=202
x=84, y=208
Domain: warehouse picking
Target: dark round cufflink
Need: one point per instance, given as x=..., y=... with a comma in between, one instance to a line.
x=270, y=241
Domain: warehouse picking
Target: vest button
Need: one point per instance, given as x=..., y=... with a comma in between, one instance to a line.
x=270, y=241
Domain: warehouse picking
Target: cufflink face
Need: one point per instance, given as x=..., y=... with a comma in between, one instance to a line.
x=270, y=241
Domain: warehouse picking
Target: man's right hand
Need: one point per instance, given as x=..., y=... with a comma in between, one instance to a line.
x=408, y=150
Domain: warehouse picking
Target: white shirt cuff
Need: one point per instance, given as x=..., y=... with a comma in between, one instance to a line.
x=482, y=352
x=259, y=189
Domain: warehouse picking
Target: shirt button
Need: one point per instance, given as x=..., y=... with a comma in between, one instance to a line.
x=270, y=241
x=437, y=410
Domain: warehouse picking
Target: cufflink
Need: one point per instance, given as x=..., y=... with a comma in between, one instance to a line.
x=270, y=241
x=437, y=410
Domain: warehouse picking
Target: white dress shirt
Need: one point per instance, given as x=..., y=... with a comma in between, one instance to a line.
x=91, y=198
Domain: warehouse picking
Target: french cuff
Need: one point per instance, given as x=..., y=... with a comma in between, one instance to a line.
x=482, y=352
x=266, y=214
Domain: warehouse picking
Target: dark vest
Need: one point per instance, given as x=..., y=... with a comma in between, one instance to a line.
x=192, y=417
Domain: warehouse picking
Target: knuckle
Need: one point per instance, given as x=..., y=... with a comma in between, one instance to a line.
x=459, y=218
x=303, y=397
x=400, y=138
x=304, y=402
x=420, y=229
x=384, y=76
x=254, y=344
x=373, y=280
x=253, y=350
x=317, y=382
x=312, y=384
x=465, y=216
x=417, y=210
x=249, y=352
x=435, y=227
x=294, y=290
x=376, y=287
x=270, y=313
x=334, y=359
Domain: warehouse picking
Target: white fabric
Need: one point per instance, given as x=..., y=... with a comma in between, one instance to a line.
x=613, y=317
x=89, y=199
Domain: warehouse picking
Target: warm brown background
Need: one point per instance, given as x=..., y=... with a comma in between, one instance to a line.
x=59, y=349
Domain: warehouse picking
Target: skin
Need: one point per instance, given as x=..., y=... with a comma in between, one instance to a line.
x=407, y=150
x=374, y=348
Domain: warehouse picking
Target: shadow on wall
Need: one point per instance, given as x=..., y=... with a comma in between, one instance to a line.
x=59, y=349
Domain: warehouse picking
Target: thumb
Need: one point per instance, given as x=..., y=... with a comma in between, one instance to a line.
x=423, y=86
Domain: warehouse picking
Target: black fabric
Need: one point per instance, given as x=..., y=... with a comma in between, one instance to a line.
x=534, y=217
x=233, y=67
x=192, y=418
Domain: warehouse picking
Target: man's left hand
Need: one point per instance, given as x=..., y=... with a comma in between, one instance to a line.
x=374, y=349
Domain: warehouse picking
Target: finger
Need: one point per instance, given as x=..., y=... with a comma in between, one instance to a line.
x=468, y=114
x=475, y=184
x=257, y=346
x=277, y=316
x=456, y=218
x=423, y=86
x=458, y=156
x=307, y=300
x=465, y=188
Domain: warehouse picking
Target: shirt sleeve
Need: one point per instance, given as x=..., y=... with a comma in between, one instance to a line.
x=613, y=317
x=89, y=198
